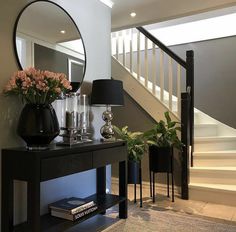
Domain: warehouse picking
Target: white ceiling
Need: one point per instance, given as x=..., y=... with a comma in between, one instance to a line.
x=44, y=21
x=151, y=11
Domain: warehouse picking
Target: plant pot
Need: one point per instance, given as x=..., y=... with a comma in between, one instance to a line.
x=38, y=125
x=160, y=158
x=133, y=172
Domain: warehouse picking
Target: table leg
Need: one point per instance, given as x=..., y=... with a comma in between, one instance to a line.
x=33, y=205
x=7, y=200
x=123, y=189
x=168, y=185
x=141, y=187
x=101, y=182
x=150, y=178
x=153, y=187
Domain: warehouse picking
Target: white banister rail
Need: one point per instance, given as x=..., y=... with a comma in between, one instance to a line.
x=158, y=70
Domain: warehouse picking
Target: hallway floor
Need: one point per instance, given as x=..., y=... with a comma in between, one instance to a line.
x=200, y=208
x=162, y=216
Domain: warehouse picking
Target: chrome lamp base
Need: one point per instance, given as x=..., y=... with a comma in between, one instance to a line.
x=107, y=130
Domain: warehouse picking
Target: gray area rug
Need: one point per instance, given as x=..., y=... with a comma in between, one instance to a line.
x=149, y=220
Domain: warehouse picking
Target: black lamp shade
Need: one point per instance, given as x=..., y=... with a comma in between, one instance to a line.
x=107, y=92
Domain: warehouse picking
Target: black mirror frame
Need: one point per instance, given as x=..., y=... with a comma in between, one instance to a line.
x=15, y=30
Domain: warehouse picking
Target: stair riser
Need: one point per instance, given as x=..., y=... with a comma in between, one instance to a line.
x=214, y=162
x=213, y=177
x=201, y=131
x=213, y=196
x=215, y=146
x=200, y=118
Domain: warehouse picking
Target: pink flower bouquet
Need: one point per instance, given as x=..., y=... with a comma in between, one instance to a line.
x=37, y=87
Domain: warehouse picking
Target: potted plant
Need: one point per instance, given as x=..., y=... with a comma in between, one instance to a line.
x=136, y=147
x=163, y=138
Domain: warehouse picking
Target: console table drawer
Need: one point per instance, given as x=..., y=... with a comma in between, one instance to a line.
x=109, y=156
x=65, y=165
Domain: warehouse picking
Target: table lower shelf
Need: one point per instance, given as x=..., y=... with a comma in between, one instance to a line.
x=54, y=224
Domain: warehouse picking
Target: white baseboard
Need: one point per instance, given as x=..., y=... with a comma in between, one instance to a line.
x=146, y=186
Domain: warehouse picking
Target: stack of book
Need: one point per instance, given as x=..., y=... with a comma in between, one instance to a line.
x=72, y=208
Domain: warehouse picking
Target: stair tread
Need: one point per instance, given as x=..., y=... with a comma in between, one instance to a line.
x=205, y=125
x=214, y=168
x=215, y=186
x=215, y=152
x=214, y=138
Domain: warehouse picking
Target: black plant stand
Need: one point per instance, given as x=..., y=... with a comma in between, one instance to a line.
x=156, y=166
x=136, y=178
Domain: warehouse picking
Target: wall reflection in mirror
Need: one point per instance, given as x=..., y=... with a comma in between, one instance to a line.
x=47, y=38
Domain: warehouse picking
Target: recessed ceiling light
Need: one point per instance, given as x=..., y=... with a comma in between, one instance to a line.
x=62, y=31
x=133, y=14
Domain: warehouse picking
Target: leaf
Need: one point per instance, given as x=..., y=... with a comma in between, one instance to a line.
x=178, y=128
x=167, y=116
x=171, y=124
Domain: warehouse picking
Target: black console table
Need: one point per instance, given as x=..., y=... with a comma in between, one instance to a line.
x=37, y=166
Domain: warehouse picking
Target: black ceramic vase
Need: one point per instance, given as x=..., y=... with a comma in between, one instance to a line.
x=38, y=125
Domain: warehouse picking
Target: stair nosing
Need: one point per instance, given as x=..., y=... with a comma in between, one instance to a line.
x=214, y=139
x=216, y=187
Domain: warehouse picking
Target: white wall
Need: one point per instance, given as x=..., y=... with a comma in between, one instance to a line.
x=93, y=20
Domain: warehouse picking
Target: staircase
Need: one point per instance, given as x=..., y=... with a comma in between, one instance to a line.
x=213, y=175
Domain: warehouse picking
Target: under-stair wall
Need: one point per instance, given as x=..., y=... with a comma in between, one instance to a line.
x=138, y=120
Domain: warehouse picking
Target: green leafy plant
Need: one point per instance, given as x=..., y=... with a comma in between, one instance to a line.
x=135, y=143
x=164, y=134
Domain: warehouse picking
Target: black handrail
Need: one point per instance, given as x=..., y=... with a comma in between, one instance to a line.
x=162, y=46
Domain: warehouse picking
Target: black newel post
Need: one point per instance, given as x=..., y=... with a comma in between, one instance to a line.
x=185, y=138
x=190, y=90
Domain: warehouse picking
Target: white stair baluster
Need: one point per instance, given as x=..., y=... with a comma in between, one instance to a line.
x=131, y=51
x=153, y=69
x=123, y=42
x=117, y=45
x=138, y=55
x=161, y=75
x=170, y=83
x=178, y=90
x=146, y=62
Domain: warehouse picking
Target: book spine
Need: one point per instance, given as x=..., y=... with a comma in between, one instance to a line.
x=85, y=212
x=82, y=207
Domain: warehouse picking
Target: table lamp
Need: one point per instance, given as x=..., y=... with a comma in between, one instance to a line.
x=107, y=92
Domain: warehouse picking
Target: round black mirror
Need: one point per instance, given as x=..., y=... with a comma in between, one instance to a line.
x=47, y=38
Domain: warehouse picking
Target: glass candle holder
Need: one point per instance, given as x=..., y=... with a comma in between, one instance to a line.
x=71, y=111
x=84, y=114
